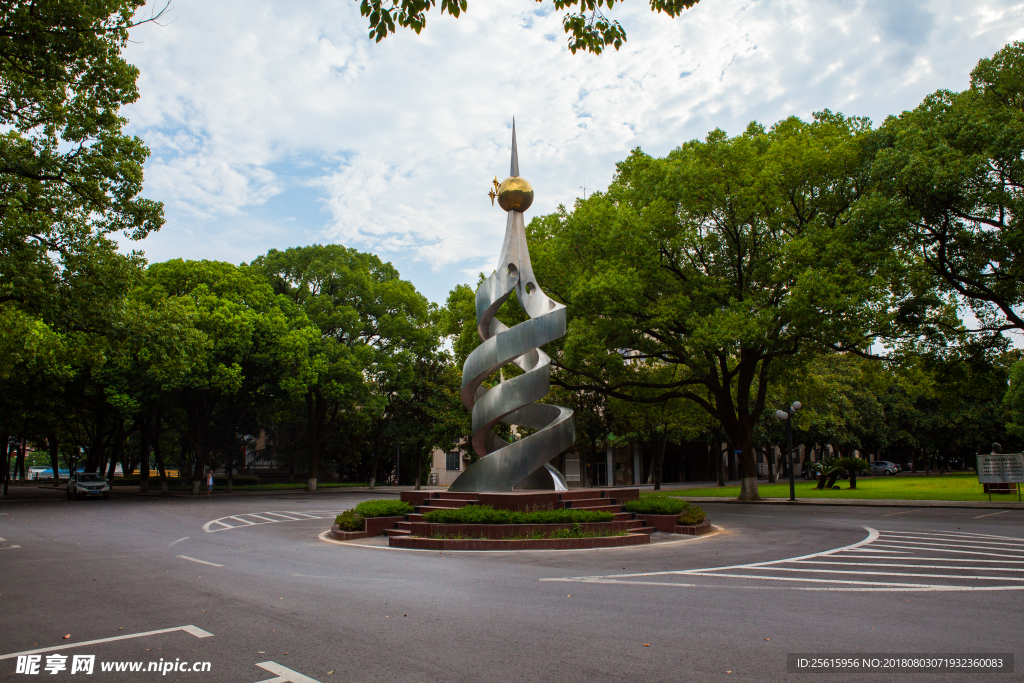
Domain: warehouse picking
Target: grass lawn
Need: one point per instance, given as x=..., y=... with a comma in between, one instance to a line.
x=899, y=487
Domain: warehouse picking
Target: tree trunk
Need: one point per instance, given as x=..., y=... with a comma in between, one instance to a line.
x=51, y=441
x=117, y=451
x=143, y=455
x=419, y=466
x=19, y=461
x=853, y=478
x=157, y=428
x=719, y=465
x=313, y=440
x=5, y=440
x=659, y=458
x=832, y=478
x=748, y=471
x=199, y=444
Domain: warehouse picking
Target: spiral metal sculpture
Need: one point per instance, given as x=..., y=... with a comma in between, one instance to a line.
x=522, y=464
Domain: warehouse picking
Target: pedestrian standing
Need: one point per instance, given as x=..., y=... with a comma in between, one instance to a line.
x=209, y=483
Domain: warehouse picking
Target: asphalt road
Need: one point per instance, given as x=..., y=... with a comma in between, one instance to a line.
x=271, y=592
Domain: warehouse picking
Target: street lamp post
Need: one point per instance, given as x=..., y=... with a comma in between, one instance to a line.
x=787, y=415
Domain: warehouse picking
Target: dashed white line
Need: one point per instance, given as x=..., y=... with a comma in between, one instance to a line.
x=192, y=559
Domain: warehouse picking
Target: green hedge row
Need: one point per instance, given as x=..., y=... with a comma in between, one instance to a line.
x=352, y=520
x=650, y=505
x=485, y=514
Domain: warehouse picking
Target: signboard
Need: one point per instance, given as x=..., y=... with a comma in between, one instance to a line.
x=1001, y=468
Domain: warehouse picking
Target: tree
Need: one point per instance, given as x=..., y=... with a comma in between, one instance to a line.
x=373, y=329
x=953, y=169
x=253, y=344
x=591, y=33
x=703, y=275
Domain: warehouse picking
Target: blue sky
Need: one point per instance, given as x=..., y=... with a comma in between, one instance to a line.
x=275, y=124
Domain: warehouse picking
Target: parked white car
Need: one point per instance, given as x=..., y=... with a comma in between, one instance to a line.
x=87, y=485
x=884, y=467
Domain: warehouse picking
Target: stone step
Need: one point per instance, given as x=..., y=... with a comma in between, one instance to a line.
x=587, y=502
x=577, y=495
x=407, y=526
x=397, y=532
x=623, y=517
x=450, y=502
x=643, y=530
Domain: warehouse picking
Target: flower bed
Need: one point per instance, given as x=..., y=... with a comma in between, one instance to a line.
x=441, y=544
x=485, y=514
x=519, y=531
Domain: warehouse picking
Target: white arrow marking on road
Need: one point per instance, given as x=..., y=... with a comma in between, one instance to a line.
x=190, y=629
x=178, y=541
x=192, y=559
x=284, y=674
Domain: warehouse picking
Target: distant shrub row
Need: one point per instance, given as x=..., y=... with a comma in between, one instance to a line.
x=485, y=514
x=651, y=505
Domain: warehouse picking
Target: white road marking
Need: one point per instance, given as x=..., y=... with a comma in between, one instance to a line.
x=955, y=534
x=934, y=551
x=192, y=559
x=943, y=550
x=951, y=538
x=243, y=521
x=993, y=514
x=190, y=629
x=178, y=541
x=982, y=544
x=284, y=674
x=248, y=519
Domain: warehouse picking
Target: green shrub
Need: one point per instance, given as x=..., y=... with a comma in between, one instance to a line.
x=387, y=507
x=650, y=505
x=693, y=515
x=349, y=520
x=485, y=514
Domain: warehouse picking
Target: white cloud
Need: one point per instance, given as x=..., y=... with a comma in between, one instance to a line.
x=261, y=111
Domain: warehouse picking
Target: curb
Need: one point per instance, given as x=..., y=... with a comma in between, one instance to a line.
x=810, y=502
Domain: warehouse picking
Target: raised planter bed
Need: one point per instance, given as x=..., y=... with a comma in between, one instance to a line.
x=501, y=531
x=375, y=526
x=694, y=529
x=418, y=543
x=340, y=535
x=665, y=523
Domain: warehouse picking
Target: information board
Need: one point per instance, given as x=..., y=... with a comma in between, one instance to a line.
x=1001, y=468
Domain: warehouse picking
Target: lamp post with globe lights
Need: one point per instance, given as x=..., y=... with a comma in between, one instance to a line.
x=787, y=415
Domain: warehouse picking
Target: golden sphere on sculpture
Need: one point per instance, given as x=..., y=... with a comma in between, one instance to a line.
x=515, y=194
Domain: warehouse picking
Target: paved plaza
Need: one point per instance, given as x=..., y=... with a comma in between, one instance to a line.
x=252, y=586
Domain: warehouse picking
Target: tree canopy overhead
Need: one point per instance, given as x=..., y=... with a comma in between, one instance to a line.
x=584, y=21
